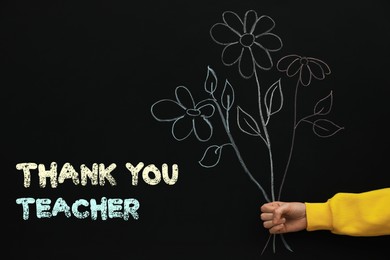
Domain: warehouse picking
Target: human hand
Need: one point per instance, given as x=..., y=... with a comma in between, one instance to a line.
x=284, y=217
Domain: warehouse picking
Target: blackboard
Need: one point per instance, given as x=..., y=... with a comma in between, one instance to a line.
x=79, y=83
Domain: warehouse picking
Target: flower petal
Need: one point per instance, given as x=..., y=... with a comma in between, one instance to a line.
x=322, y=64
x=184, y=97
x=233, y=21
x=270, y=41
x=246, y=64
x=316, y=70
x=305, y=75
x=167, y=110
x=206, y=110
x=182, y=128
x=203, y=129
x=262, y=57
x=231, y=53
x=250, y=21
x=286, y=61
x=223, y=34
x=264, y=24
x=294, y=67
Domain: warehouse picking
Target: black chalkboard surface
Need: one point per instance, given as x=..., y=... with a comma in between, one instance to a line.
x=183, y=118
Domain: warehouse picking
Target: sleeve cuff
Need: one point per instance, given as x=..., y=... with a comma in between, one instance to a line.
x=318, y=216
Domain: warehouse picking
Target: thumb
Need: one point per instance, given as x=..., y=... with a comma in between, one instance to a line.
x=279, y=212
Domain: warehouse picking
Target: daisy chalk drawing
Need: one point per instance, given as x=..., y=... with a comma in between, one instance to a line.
x=247, y=43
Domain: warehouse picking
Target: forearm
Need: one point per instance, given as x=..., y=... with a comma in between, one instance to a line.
x=354, y=214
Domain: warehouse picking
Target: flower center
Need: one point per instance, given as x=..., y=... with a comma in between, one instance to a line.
x=247, y=40
x=193, y=112
x=304, y=61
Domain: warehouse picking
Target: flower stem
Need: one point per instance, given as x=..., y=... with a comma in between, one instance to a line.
x=295, y=124
x=225, y=123
x=268, y=142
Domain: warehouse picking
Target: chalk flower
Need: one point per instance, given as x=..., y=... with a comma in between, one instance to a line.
x=187, y=117
x=248, y=41
x=306, y=67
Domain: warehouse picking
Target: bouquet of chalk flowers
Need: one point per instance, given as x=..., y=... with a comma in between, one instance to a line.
x=248, y=43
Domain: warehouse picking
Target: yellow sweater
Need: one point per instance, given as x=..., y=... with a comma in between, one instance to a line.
x=354, y=214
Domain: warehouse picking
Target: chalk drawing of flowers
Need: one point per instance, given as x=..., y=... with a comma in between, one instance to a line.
x=307, y=68
x=187, y=117
x=248, y=41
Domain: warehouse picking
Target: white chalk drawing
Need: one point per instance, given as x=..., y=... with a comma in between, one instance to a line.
x=248, y=43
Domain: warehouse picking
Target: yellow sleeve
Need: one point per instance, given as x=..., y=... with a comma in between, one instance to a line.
x=354, y=214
